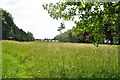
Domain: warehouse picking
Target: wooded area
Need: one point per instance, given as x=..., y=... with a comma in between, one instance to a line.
x=68, y=36
x=10, y=31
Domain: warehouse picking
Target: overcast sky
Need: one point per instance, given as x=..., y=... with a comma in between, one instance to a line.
x=29, y=15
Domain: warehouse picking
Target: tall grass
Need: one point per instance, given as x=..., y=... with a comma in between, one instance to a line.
x=58, y=60
x=0, y=60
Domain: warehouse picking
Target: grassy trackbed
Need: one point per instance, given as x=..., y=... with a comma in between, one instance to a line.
x=58, y=60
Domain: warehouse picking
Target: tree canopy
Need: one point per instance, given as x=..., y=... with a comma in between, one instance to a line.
x=102, y=19
x=10, y=31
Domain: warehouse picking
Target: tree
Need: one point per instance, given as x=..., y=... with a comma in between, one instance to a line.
x=92, y=16
x=30, y=36
x=10, y=31
x=64, y=37
x=68, y=36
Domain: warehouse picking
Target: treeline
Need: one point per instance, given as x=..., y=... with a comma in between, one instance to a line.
x=69, y=36
x=83, y=37
x=10, y=31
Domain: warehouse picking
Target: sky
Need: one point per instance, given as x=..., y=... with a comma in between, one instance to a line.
x=29, y=15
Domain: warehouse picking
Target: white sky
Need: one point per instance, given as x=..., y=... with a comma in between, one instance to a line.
x=29, y=15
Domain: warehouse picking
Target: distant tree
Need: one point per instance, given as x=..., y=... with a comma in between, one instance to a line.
x=30, y=36
x=70, y=36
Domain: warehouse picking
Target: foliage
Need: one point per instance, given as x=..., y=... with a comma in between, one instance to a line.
x=68, y=36
x=101, y=18
x=58, y=60
x=65, y=37
x=10, y=31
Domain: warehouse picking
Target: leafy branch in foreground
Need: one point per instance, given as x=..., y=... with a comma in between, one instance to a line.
x=101, y=18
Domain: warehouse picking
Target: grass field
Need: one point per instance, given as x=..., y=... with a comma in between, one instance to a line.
x=0, y=60
x=58, y=60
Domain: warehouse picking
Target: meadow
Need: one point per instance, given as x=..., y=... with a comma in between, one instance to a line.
x=58, y=60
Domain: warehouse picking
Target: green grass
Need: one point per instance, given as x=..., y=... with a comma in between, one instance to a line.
x=0, y=60
x=58, y=60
